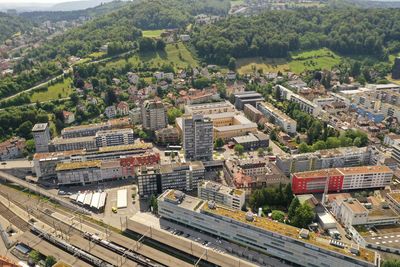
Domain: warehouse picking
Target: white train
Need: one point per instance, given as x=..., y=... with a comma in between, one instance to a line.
x=122, y=251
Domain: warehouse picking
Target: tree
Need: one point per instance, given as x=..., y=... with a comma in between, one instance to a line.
x=35, y=256
x=25, y=130
x=288, y=194
x=30, y=146
x=257, y=199
x=292, y=207
x=172, y=114
x=304, y=215
x=303, y=148
x=260, y=152
x=232, y=63
x=74, y=98
x=239, y=149
x=278, y=215
x=218, y=143
x=160, y=44
x=50, y=261
x=154, y=204
x=391, y=263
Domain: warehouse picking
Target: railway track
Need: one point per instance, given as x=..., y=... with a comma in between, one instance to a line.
x=13, y=218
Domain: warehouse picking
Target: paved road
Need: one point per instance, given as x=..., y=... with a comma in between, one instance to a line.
x=16, y=164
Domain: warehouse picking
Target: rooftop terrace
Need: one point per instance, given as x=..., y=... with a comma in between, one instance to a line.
x=78, y=165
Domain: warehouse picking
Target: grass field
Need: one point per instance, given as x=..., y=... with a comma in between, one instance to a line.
x=152, y=33
x=156, y=59
x=56, y=91
x=237, y=2
x=299, y=62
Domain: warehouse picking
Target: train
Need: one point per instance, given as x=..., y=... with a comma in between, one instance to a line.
x=121, y=250
x=70, y=248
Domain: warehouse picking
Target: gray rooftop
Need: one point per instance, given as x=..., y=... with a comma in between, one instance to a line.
x=39, y=127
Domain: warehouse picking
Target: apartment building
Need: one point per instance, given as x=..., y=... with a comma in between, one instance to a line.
x=221, y=194
x=41, y=135
x=298, y=246
x=154, y=115
x=168, y=136
x=247, y=97
x=114, y=137
x=12, y=148
x=79, y=172
x=304, y=104
x=130, y=163
x=339, y=179
x=148, y=180
x=281, y=119
x=197, y=137
x=323, y=159
x=252, y=141
x=83, y=130
x=252, y=113
x=209, y=108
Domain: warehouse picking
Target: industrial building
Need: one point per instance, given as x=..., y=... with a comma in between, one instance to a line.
x=322, y=159
x=339, y=179
x=287, y=124
x=247, y=97
x=291, y=244
x=221, y=194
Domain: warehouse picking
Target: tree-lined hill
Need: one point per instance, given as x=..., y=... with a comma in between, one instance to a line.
x=276, y=33
x=10, y=25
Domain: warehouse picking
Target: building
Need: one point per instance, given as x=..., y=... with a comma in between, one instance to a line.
x=304, y=104
x=122, y=108
x=391, y=139
x=209, y=108
x=197, y=137
x=83, y=130
x=323, y=159
x=350, y=211
x=69, y=117
x=349, y=178
x=298, y=246
x=130, y=163
x=247, y=97
x=153, y=180
x=41, y=135
x=114, y=137
x=44, y=164
x=154, y=115
x=111, y=112
x=78, y=143
x=79, y=172
x=168, y=136
x=135, y=115
x=221, y=194
x=148, y=180
x=12, y=148
x=252, y=141
x=278, y=117
x=252, y=113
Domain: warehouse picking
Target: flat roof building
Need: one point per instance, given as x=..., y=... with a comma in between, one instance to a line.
x=221, y=194
x=281, y=119
x=295, y=245
x=209, y=108
x=41, y=135
x=247, y=97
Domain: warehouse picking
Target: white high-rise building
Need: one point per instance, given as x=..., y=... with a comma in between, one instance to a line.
x=154, y=115
x=197, y=137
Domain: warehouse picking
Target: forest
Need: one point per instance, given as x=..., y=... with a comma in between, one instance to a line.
x=348, y=31
x=9, y=25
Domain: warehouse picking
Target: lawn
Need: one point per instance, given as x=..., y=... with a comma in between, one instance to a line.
x=157, y=59
x=237, y=2
x=152, y=33
x=56, y=91
x=299, y=62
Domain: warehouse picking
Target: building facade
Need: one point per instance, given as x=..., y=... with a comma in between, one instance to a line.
x=41, y=135
x=341, y=179
x=154, y=115
x=114, y=137
x=12, y=148
x=198, y=138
